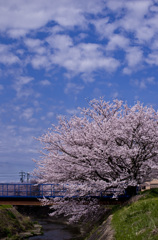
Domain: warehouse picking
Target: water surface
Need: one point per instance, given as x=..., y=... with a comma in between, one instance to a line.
x=55, y=231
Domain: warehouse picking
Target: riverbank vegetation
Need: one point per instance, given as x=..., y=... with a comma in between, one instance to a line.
x=137, y=219
x=14, y=225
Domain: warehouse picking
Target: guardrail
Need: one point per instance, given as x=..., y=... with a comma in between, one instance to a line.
x=29, y=190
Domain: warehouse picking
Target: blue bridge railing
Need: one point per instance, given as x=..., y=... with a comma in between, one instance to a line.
x=29, y=190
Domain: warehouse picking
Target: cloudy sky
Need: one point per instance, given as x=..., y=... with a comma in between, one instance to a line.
x=57, y=54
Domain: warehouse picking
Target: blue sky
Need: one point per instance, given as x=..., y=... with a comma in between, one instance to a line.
x=57, y=54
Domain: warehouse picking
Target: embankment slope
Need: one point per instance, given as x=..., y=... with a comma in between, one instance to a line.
x=14, y=225
x=137, y=219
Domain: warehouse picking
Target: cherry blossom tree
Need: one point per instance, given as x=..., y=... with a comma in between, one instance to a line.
x=108, y=146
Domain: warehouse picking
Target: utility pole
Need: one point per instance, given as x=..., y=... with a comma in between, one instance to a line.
x=22, y=176
x=28, y=177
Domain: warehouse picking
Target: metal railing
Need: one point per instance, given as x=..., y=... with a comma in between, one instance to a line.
x=29, y=190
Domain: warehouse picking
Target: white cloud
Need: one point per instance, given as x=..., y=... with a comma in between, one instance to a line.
x=81, y=37
x=145, y=33
x=152, y=58
x=35, y=45
x=32, y=43
x=154, y=45
x=24, y=80
x=7, y=56
x=38, y=62
x=132, y=28
x=151, y=80
x=117, y=41
x=17, y=149
x=127, y=71
x=9, y=59
x=104, y=27
x=45, y=83
x=21, y=86
x=24, y=129
x=84, y=58
x=138, y=20
x=17, y=139
x=50, y=114
x=89, y=57
x=115, y=5
x=72, y=111
x=134, y=56
x=143, y=83
x=80, y=58
x=73, y=88
x=88, y=77
x=48, y=117
x=62, y=42
x=138, y=8
x=135, y=17
x=27, y=113
x=115, y=95
x=16, y=33
x=154, y=9
x=18, y=16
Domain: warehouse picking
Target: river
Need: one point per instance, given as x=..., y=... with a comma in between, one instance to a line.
x=56, y=231
x=53, y=229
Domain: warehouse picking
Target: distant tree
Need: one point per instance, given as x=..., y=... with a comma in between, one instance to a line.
x=110, y=145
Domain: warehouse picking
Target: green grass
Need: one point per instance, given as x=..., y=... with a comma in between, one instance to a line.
x=12, y=222
x=5, y=206
x=138, y=220
x=149, y=193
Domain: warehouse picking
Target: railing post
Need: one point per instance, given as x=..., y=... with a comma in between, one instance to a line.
x=51, y=190
x=26, y=190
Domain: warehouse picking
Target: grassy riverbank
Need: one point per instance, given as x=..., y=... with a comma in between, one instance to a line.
x=137, y=219
x=14, y=225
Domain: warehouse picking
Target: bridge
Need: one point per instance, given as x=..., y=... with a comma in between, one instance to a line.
x=29, y=193
x=29, y=190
